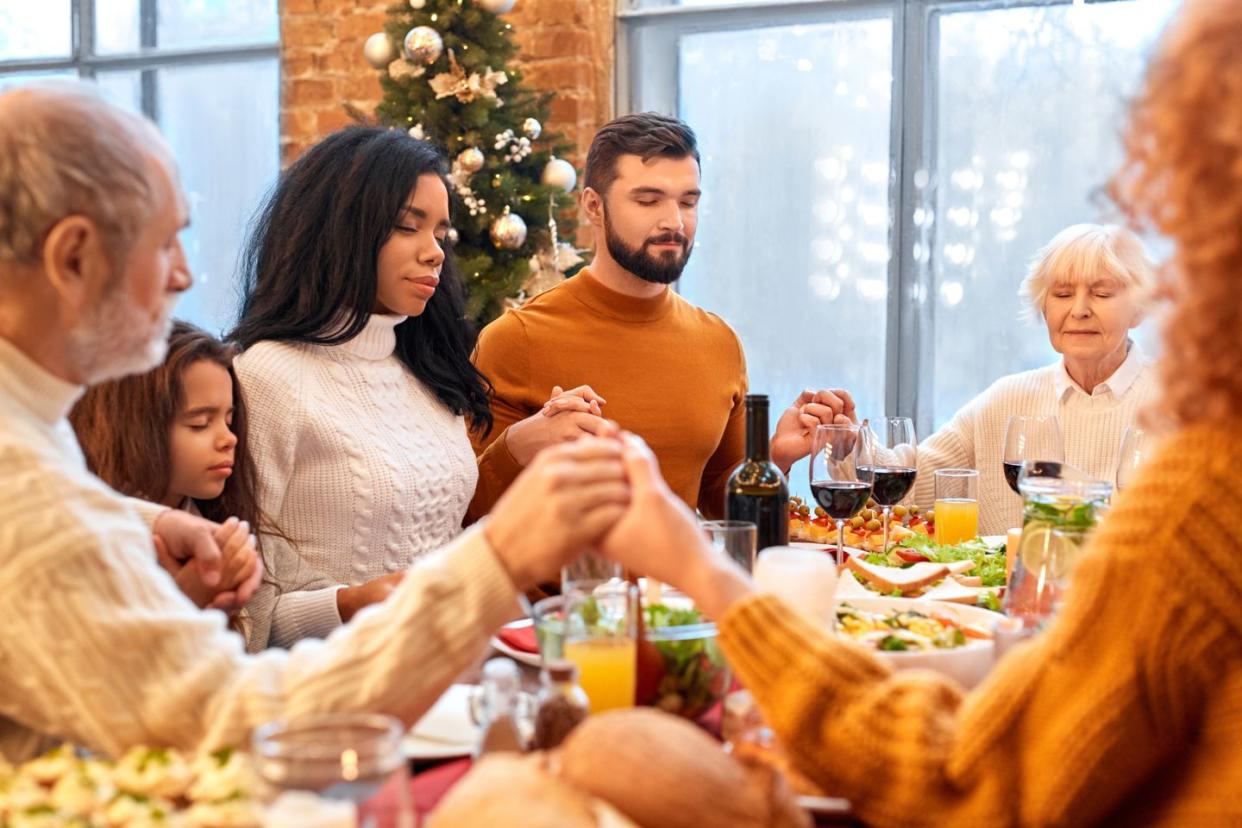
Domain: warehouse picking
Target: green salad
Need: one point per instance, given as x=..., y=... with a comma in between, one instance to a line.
x=680, y=666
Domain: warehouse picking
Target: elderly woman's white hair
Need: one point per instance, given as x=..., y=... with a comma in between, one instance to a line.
x=1081, y=253
x=65, y=151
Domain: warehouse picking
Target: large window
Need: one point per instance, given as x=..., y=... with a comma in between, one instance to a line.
x=207, y=71
x=878, y=173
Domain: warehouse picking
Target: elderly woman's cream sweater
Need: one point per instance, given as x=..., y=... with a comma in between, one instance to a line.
x=1091, y=426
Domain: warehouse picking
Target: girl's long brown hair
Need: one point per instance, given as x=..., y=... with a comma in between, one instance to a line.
x=125, y=428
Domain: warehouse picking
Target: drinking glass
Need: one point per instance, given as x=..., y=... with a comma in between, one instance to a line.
x=734, y=538
x=957, y=505
x=548, y=617
x=1030, y=438
x=601, y=634
x=343, y=756
x=894, y=450
x=840, y=471
x=806, y=579
x=1134, y=443
x=588, y=571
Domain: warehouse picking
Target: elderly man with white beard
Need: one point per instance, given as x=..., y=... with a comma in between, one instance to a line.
x=97, y=644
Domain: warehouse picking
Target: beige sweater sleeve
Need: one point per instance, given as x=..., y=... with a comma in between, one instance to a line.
x=100, y=647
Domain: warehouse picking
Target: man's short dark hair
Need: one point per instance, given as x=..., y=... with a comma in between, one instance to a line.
x=645, y=134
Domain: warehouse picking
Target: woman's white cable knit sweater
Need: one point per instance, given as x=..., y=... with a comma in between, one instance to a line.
x=358, y=463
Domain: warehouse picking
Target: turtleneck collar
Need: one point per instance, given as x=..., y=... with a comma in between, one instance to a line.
x=607, y=302
x=22, y=379
x=377, y=340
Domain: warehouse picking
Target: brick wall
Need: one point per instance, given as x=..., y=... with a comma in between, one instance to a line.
x=566, y=46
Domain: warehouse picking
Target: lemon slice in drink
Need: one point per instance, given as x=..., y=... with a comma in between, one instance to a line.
x=1043, y=548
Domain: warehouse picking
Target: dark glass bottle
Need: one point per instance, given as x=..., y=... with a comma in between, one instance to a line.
x=757, y=491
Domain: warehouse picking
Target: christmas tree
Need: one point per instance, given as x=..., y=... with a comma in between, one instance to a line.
x=448, y=78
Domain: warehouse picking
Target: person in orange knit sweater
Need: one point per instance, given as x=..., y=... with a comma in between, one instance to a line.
x=625, y=343
x=1127, y=709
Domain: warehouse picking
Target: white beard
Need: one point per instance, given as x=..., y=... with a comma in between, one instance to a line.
x=118, y=339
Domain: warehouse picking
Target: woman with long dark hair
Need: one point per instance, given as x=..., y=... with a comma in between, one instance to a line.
x=357, y=374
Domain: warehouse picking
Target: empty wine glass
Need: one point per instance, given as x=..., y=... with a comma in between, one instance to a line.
x=1030, y=438
x=1134, y=443
x=894, y=454
x=840, y=470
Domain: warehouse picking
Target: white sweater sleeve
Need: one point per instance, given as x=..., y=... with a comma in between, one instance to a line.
x=101, y=648
x=295, y=602
x=953, y=446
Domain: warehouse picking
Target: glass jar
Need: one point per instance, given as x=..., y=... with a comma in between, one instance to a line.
x=560, y=705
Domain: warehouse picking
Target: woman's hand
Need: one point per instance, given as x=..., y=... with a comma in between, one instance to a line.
x=565, y=417
x=216, y=565
x=350, y=599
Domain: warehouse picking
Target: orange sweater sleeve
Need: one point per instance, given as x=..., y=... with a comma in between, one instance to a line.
x=1065, y=729
x=502, y=354
x=731, y=451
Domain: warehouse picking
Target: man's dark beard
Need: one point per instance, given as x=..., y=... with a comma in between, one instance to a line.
x=663, y=269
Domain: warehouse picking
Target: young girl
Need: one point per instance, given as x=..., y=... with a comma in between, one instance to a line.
x=176, y=435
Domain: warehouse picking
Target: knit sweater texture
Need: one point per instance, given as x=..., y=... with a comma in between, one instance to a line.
x=671, y=372
x=99, y=647
x=1126, y=710
x=358, y=464
x=1091, y=427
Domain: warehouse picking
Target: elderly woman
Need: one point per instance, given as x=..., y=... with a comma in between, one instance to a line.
x=1127, y=710
x=1089, y=285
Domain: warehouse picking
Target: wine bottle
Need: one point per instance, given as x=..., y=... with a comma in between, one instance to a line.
x=757, y=491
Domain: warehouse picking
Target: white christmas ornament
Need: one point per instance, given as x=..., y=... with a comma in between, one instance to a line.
x=417, y=4
x=471, y=159
x=417, y=132
x=508, y=231
x=379, y=51
x=424, y=45
x=496, y=6
x=560, y=173
x=532, y=128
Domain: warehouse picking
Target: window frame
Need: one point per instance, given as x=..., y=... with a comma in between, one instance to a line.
x=647, y=35
x=149, y=58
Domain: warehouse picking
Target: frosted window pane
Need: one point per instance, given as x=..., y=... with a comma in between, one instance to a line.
x=123, y=88
x=197, y=23
x=116, y=26
x=1030, y=104
x=34, y=29
x=793, y=240
x=222, y=122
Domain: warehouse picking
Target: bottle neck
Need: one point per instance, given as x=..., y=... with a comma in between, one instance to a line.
x=757, y=447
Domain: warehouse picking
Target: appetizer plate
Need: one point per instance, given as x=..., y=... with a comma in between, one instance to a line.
x=521, y=656
x=826, y=547
x=967, y=664
x=446, y=730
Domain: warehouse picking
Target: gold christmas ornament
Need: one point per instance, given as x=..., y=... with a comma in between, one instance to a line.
x=508, y=231
x=471, y=159
x=532, y=128
x=560, y=173
x=401, y=69
x=417, y=4
x=379, y=51
x=423, y=45
x=456, y=83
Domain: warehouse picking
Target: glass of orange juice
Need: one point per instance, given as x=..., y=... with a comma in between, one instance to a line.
x=957, y=505
x=601, y=634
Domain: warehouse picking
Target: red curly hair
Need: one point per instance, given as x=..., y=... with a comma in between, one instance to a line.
x=1182, y=177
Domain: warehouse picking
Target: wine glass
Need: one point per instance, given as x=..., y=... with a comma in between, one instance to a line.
x=1134, y=443
x=840, y=474
x=894, y=452
x=1030, y=438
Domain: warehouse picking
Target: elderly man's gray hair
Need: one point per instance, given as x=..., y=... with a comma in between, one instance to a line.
x=65, y=151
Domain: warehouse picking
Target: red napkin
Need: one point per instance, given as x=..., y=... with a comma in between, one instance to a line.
x=520, y=638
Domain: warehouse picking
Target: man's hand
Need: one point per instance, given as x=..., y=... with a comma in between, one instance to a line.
x=216, y=565
x=795, y=431
x=561, y=505
x=351, y=599
x=565, y=417
x=660, y=537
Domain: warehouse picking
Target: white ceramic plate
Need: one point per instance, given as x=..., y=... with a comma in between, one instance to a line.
x=446, y=730
x=967, y=664
x=826, y=547
x=825, y=805
x=993, y=540
x=520, y=656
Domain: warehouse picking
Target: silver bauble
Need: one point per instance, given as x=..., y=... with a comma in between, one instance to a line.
x=470, y=159
x=532, y=128
x=379, y=51
x=508, y=231
x=496, y=6
x=424, y=45
x=560, y=173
